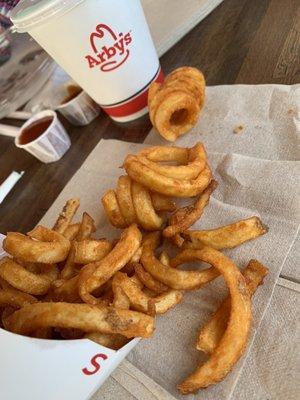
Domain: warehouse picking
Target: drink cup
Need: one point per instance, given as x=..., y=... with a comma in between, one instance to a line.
x=44, y=137
x=104, y=45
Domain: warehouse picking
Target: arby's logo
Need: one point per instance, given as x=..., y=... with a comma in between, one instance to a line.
x=109, y=50
x=95, y=363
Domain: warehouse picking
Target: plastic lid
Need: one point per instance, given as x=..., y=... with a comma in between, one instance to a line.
x=30, y=13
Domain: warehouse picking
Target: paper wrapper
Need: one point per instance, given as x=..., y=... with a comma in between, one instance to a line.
x=272, y=367
x=256, y=175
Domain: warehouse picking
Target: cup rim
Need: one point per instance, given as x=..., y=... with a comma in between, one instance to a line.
x=80, y=94
x=32, y=119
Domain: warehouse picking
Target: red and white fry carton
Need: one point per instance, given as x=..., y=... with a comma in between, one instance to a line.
x=104, y=45
x=38, y=369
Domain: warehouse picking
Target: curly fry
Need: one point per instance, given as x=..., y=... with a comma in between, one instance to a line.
x=20, y=278
x=85, y=317
x=66, y=216
x=175, y=279
x=185, y=217
x=96, y=274
x=48, y=247
x=234, y=340
x=212, y=332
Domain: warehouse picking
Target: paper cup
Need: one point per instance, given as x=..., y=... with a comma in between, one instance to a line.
x=51, y=145
x=81, y=110
x=54, y=369
x=104, y=45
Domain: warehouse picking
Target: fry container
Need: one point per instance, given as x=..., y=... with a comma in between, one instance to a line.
x=38, y=369
x=104, y=45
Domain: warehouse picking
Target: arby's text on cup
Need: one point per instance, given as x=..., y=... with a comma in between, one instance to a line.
x=109, y=50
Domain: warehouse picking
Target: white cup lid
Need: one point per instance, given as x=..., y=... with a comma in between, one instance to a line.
x=30, y=13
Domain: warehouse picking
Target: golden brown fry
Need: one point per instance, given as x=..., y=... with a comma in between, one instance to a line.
x=254, y=274
x=178, y=155
x=149, y=292
x=133, y=203
x=66, y=216
x=194, y=165
x=69, y=333
x=35, y=268
x=164, y=301
x=164, y=258
x=186, y=71
x=192, y=85
x=125, y=201
x=6, y=312
x=137, y=255
x=177, y=239
x=175, y=105
x=185, y=217
x=185, y=256
x=141, y=301
x=69, y=269
x=48, y=247
x=129, y=268
x=148, y=280
x=146, y=215
x=228, y=236
x=100, y=272
x=136, y=280
x=20, y=278
x=15, y=298
x=71, y=231
x=85, y=317
x=177, y=112
x=86, y=228
x=167, y=300
x=234, y=340
x=106, y=292
x=43, y=333
x=66, y=290
x=138, y=300
x=4, y=284
x=113, y=341
x=175, y=279
x=87, y=251
x=212, y=332
x=120, y=300
x=153, y=89
x=162, y=203
x=165, y=185
x=112, y=209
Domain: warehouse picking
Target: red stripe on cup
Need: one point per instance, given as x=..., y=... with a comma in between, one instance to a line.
x=133, y=105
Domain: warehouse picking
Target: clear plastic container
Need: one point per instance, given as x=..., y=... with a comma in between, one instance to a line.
x=26, y=69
